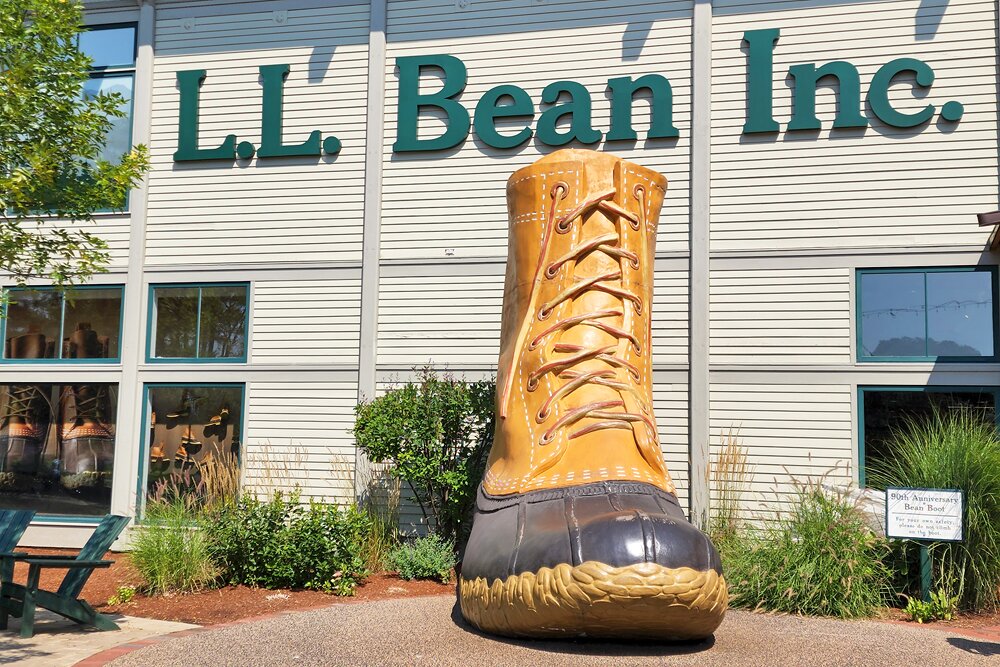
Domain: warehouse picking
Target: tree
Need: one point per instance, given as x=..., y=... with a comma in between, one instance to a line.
x=52, y=135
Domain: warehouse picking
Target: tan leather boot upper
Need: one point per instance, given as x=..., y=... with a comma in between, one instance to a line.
x=574, y=398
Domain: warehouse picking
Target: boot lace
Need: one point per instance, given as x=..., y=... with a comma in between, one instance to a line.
x=611, y=414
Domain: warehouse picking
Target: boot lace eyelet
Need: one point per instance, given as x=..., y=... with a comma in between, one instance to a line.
x=544, y=312
x=634, y=263
x=541, y=416
x=639, y=192
x=560, y=190
x=532, y=384
x=637, y=348
x=551, y=270
x=546, y=438
x=638, y=306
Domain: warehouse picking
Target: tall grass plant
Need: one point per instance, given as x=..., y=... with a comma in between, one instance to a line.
x=955, y=449
x=170, y=550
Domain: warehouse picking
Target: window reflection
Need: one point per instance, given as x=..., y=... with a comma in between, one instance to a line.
x=57, y=444
x=83, y=323
x=193, y=444
x=207, y=322
x=927, y=314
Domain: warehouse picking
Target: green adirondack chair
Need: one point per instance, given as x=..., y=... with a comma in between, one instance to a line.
x=13, y=523
x=20, y=601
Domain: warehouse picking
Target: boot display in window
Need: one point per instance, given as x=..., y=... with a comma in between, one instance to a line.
x=25, y=420
x=577, y=530
x=87, y=449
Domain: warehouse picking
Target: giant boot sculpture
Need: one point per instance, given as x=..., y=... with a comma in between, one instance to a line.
x=577, y=530
x=25, y=420
x=87, y=450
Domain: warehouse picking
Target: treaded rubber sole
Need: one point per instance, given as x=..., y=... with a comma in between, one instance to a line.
x=643, y=601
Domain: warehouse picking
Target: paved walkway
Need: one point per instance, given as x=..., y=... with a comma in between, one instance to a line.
x=429, y=631
x=58, y=642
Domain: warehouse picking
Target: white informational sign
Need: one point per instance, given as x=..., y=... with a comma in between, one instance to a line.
x=923, y=514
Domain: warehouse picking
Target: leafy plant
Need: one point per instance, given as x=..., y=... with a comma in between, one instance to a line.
x=280, y=543
x=52, y=138
x=818, y=559
x=957, y=449
x=437, y=432
x=942, y=607
x=170, y=549
x=430, y=557
x=123, y=595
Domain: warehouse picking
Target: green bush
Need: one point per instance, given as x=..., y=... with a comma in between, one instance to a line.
x=170, y=549
x=941, y=607
x=430, y=557
x=279, y=543
x=954, y=450
x=819, y=559
x=438, y=433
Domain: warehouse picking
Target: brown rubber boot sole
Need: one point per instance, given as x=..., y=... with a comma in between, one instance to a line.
x=643, y=601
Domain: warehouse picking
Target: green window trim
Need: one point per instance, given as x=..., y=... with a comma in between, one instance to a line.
x=143, y=471
x=859, y=327
x=62, y=324
x=966, y=389
x=151, y=326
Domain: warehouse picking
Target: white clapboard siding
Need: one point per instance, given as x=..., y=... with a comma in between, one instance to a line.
x=786, y=316
x=881, y=187
x=306, y=321
x=670, y=317
x=260, y=210
x=670, y=406
x=111, y=228
x=452, y=203
x=789, y=433
x=440, y=320
x=299, y=433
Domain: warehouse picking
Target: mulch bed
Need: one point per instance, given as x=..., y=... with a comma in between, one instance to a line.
x=961, y=621
x=220, y=605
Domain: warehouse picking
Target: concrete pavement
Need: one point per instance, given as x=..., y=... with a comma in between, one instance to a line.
x=429, y=631
x=58, y=642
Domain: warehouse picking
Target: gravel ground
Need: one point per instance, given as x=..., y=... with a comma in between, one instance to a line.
x=429, y=631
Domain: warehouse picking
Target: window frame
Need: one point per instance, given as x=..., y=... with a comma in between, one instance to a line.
x=861, y=357
x=944, y=388
x=62, y=324
x=143, y=468
x=151, y=325
x=118, y=70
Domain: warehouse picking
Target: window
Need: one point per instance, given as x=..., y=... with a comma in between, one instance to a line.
x=57, y=447
x=193, y=440
x=927, y=314
x=198, y=322
x=112, y=49
x=884, y=410
x=82, y=324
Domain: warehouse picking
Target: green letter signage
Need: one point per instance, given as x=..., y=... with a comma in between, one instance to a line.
x=410, y=102
x=760, y=65
x=488, y=110
x=807, y=77
x=878, y=92
x=661, y=107
x=577, y=108
x=189, y=82
x=273, y=81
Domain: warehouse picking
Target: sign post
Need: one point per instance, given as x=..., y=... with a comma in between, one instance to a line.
x=925, y=516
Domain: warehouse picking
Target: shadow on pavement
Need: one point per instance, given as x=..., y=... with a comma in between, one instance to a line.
x=975, y=647
x=589, y=646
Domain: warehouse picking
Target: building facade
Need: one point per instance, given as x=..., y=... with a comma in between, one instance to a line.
x=326, y=211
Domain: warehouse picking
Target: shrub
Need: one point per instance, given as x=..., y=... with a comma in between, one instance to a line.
x=818, y=559
x=123, y=595
x=954, y=450
x=941, y=607
x=430, y=557
x=170, y=549
x=437, y=432
x=279, y=543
